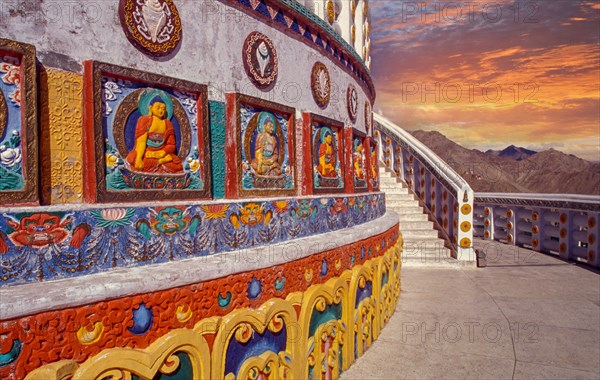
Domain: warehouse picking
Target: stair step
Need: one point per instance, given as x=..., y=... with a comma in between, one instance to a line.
x=416, y=225
x=404, y=193
x=400, y=198
x=389, y=180
x=423, y=243
x=418, y=234
x=395, y=190
x=408, y=218
x=431, y=263
x=399, y=194
x=406, y=210
x=403, y=203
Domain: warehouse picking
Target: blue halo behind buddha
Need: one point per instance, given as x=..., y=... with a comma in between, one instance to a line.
x=263, y=119
x=324, y=132
x=152, y=95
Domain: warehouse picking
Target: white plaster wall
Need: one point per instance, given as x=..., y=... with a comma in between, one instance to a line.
x=66, y=33
x=345, y=20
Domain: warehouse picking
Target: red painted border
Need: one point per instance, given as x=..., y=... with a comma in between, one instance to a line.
x=306, y=187
x=89, y=164
x=349, y=173
x=231, y=143
x=368, y=150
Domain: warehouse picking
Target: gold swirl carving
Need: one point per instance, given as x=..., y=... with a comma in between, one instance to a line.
x=121, y=363
x=63, y=369
x=321, y=304
x=183, y=313
x=243, y=332
x=170, y=365
x=276, y=324
x=87, y=337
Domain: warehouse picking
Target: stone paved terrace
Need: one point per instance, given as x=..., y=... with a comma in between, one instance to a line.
x=525, y=316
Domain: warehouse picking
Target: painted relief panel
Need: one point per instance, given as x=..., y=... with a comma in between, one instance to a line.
x=267, y=148
x=359, y=162
x=327, y=155
x=18, y=123
x=151, y=136
x=374, y=163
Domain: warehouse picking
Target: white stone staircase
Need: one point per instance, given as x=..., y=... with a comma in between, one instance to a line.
x=422, y=246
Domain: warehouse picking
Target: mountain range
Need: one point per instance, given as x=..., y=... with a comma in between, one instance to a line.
x=514, y=152
x=516, y=169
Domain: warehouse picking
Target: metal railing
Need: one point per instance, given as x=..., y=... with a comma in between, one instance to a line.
x=562, y=224
x=445, y=195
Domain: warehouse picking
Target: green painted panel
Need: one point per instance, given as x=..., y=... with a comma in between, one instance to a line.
x=217, y=142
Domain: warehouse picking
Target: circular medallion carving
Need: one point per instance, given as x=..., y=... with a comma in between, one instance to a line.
x=352, y=102
x=152, y=26
x=320, y=84
x=368, y=117
x=260, y=59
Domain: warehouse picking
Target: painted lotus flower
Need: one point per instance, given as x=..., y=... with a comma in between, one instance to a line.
x=15, y=97
x=12, y=74
x=10, y=156
x=111, y=161
x=281, y=206
x=214, y=211
x=113, y=217
x=194, y=165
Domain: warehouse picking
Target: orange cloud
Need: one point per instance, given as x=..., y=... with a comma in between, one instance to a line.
x=496, y=83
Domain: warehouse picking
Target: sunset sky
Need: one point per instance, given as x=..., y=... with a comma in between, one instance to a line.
x=491, y=74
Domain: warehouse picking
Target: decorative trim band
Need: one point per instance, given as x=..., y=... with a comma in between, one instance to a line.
x=295, y=19
x=50, y=243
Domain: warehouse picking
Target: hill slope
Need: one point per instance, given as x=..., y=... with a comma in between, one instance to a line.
x=518, y=170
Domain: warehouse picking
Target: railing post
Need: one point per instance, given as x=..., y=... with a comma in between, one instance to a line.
x=398, y=161
x=537, y=232
x=511, y=226
x=465, y=249
x=488, y=223
x=565, y=234
x=593, y=235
